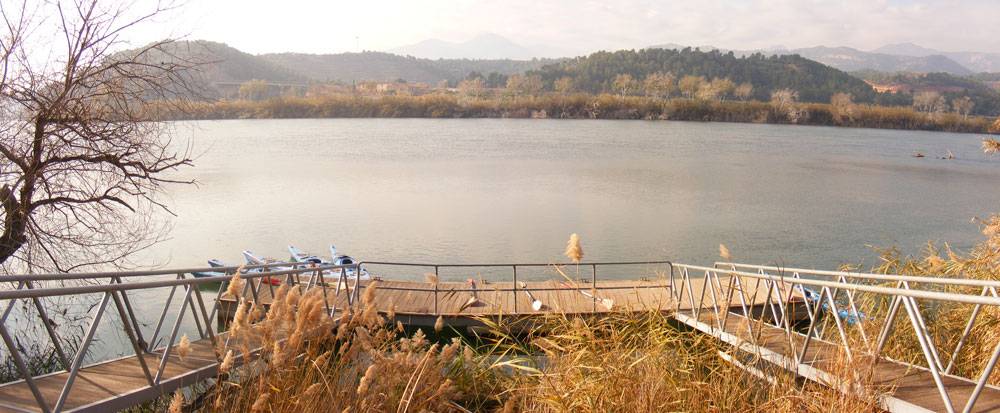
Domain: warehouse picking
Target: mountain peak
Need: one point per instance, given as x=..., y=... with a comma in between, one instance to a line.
x=482, y=46
x=906, y=49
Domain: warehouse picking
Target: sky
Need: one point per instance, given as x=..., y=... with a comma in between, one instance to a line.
x=580, y=26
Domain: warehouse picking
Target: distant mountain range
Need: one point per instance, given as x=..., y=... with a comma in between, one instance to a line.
x=484, y=46
x=226, y=66
x=903, y=57
x=976, y=61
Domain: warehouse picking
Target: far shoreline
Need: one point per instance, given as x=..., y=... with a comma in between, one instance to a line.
x=581, y=107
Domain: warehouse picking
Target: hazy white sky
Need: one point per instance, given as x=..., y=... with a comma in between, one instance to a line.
x=260, y=26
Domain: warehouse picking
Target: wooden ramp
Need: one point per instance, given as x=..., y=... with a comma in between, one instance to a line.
x=908, y=388
x=120, y=383
x=420, y=303
x=115, y=384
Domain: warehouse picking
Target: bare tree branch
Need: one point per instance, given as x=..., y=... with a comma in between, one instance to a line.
x=82, y=158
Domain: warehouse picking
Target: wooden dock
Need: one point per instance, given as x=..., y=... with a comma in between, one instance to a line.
x=121, y=383
x=421, y=303
x=908, y=388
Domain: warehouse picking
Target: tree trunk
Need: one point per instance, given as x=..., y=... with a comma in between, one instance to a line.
x=14, y=224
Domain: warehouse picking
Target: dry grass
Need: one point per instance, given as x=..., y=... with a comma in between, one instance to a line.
x=946, y=321
x=624, y=362
x=573, y=249
x=990, y=145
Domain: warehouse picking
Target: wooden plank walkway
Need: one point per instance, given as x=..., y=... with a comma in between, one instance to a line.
x=908, y=388
x=114, y=384
x=409, y=297
x=120, y=383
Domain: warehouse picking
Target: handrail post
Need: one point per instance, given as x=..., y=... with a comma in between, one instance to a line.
x=436, y=282
x=514, y=289
x=593, y=285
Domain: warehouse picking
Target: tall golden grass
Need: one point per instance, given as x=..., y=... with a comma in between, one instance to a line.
x=364, y=362
x=575, y=106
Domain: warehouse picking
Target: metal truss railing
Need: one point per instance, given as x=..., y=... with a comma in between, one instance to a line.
x=113, y=288
x=852, y=305
x=838, y=306
x=517, y=286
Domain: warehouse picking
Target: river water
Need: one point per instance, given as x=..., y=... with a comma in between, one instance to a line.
x=504, y=190
x=498, y=190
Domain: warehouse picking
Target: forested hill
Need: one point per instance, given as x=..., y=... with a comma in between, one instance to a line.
x=814, y=81
x=378, y=66
x=222, y=64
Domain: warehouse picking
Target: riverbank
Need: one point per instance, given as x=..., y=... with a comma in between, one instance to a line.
x=581, y=106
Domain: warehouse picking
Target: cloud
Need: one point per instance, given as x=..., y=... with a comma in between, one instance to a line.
x=584, y=25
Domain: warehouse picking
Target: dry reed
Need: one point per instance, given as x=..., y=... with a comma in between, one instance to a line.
x=573, y=249
x=990, y=145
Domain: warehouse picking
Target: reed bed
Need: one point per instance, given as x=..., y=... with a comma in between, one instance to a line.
x=576, y=106
x=365, y=362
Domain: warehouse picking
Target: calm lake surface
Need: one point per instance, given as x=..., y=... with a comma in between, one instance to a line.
x=481, y=191
x=498, y=190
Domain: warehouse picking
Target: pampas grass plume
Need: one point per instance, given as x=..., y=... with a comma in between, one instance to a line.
x=261, y=403
x=724, y=252
x=573, y=249
x=439, y=324
x=227, y=362
x=235, y=288
x=366, y=380
x=176, y=403
x=990, y=145
x=184, y=347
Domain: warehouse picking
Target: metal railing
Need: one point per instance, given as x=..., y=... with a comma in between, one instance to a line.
x=838, y=307
x=112, y=288
x=515, y=287
x=852, y=305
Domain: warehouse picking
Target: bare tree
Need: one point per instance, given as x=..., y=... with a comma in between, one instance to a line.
x=660, y=85
x=563, y=85
x=723, y=87
x=842, y=105
x=785, y=102
x=930, y=101
x=689, y=85
x=82, y=159
x=744, y=91
x=474, y=88
x=624, y=84
x=963, y=106
x=255, y=89
x=524, y=85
